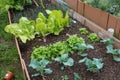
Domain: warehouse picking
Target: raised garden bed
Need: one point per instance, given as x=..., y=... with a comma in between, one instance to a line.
x=110, y=71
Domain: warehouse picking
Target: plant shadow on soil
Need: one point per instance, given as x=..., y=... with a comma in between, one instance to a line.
x=110, y=71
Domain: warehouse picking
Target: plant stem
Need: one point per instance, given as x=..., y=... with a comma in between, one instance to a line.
x=44, y=39
x=41, y=2
x=43, y=76
x=36, y=3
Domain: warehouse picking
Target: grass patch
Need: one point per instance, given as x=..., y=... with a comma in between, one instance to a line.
x=3, y=22
x=9, y=59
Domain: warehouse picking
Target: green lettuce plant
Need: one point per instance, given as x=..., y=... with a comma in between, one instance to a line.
x=23, y=30
x=55, y=22
x=83, y=31
x=93, y=37
x=73, y=40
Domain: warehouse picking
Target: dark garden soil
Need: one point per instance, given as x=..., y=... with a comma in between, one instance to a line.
x=110, y=71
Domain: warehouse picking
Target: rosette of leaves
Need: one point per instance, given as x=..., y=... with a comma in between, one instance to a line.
x=58, y=49
x=40, y=67
x=83, y=31
x=81, y=47
x=23, y=30
x=93, y=37
x=55, y=22
x=56, y=17
x=39, y=53
x=73, y=40
x=92, y=65
x=110, y=49
x=65, y=61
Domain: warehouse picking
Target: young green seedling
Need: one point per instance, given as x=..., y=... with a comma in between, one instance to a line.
x=92, y=65
x=83, y=31
x=93, y=37
x=110, y=49
x=82, y=47
x=40, y=66
x=65, y=61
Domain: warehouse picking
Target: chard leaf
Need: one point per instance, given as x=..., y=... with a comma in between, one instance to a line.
x=118, y=51
x=34, y=75
x=34, y=63
x=48, y=71
x=83, y=60
x=70, y=62
x=83, y=54
x=57, y=59
x=98, y=63
x=110, y=49
x=116, y=58
x=108, y=41
x=89, y=46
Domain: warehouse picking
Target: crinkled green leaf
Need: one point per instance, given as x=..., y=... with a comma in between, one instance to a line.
x=24, y=29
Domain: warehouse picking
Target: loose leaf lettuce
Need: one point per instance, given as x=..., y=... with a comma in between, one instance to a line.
x=23, y=30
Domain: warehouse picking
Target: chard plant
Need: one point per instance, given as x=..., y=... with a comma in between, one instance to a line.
x=82, y=47
x=40, y=67
x=92, y=65
x=23, y=30
x=83, y=31
x=93, y=37
x=65, y=61
x=110, y=49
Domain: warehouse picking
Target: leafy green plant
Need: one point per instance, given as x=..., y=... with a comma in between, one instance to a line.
x=65, y=77
x=77, y=77
x=60, y=21
x=40, y=66
x=92, y=37
x=55, y=22
x=39, y=53
x=83, y=31
x=73, y=40
x=82, y=47
x=108, y=41
x=110, y=49
x=64, y=60
x=23, y=30
x=50, y=52
x=58, y=49
x=5, y=5
x=92, y=65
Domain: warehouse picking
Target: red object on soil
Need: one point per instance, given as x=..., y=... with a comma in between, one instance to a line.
x=9, y=75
